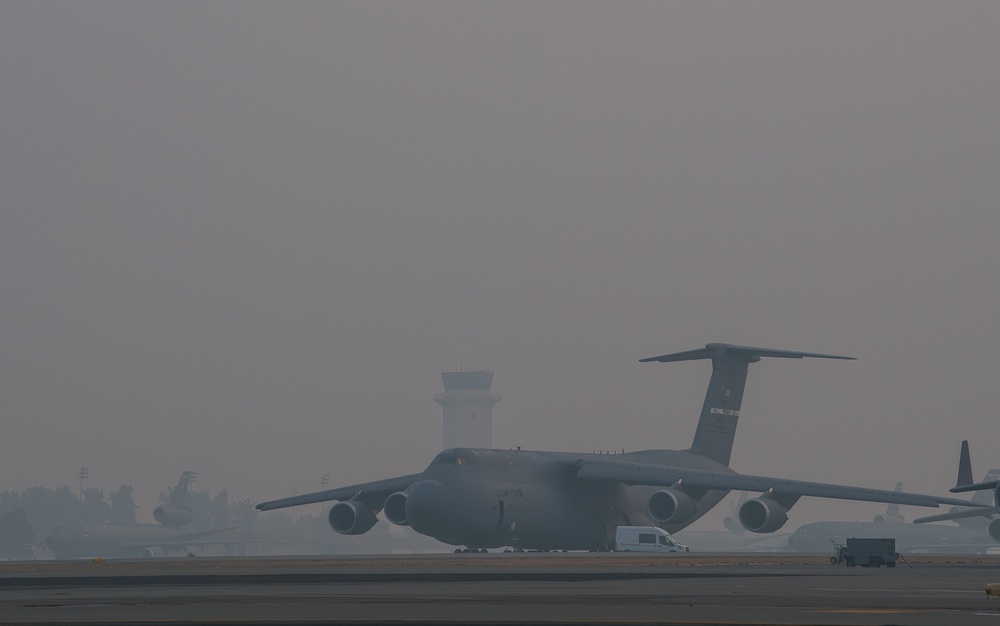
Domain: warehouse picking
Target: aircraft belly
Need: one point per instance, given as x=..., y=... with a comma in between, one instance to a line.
x=509, y=509
x=539, y=507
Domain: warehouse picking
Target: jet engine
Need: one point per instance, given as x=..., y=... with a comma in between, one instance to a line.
x=670, y=506
x=395, y=509
x=762, y=515
x=151, y=553
x=172, y=516
x=351, y=518
x=994, y=530
x=888, y=518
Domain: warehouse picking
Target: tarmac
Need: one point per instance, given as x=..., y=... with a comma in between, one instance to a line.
x=571, y=588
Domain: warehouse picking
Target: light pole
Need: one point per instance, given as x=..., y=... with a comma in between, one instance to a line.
x=83, y=473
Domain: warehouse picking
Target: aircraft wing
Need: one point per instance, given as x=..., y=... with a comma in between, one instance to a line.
x=659, y=475
x=372, y=494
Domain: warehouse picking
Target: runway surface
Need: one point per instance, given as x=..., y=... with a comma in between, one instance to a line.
x=502, y=588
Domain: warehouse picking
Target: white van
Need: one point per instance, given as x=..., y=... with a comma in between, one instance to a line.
x=646, y=539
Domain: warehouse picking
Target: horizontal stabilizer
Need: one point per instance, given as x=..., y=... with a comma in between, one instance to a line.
x=989, y=484
x=746, y=352
x=956, y=514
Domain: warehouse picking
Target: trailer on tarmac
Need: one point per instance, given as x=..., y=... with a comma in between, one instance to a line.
x=866, y=552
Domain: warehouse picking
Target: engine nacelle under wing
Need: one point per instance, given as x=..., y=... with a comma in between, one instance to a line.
x=762, y=515
x=351, y=518
x=994, y=530
x=395, y=509
x=172, y=516
x=670, y=506
x=152, y=552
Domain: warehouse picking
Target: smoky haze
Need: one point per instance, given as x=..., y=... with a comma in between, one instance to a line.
x=245, y=238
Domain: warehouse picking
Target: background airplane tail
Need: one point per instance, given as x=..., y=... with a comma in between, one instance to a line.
x=179, y=495
x=891, y=514
x=986, y=496
x=721, y=410
x=174, y=513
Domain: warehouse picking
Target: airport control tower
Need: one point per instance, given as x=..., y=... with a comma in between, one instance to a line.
x=468, y=409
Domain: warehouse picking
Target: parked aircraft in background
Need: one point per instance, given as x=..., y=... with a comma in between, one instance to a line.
x=74, y=541
x=970, y=535
x=976, y=515
x=483, y=499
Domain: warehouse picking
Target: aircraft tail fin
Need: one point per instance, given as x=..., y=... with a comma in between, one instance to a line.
x=179, y=495
x=720, y=412
x=892, y=511
x=891, y=514
x=964, y=466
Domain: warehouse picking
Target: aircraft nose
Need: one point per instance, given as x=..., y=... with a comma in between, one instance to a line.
x=426, y=506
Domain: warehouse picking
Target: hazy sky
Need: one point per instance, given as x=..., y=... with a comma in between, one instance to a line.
x=245, y=238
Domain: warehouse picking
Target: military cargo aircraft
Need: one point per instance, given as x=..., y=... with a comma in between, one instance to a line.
x=74, y=541
x=965, y=484
x=482, y=499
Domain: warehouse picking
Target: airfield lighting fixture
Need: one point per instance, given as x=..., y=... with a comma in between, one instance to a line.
x=83, y=473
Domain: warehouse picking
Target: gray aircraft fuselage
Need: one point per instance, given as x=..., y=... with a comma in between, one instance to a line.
x=561, y=501
x=75, y=541
x=820, y=537
x=532, y=500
